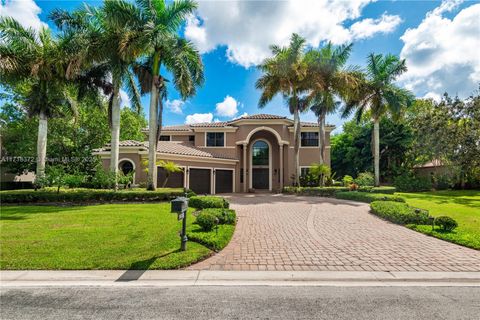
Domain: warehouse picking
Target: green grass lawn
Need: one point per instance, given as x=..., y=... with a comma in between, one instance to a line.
x=461, y=205
x=110, y=236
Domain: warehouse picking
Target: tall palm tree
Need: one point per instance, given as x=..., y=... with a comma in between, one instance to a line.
x=178, y=56
x=380, y=96
x=284, y=74
x=115, y=38
x=329, y=79
x=37, y=62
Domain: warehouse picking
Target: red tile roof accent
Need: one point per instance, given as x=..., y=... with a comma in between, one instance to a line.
x=184, y=148
x=262, y=116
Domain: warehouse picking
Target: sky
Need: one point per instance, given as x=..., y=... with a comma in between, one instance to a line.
x=440, y=41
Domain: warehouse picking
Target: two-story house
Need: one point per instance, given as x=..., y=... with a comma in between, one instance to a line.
x=249, y=153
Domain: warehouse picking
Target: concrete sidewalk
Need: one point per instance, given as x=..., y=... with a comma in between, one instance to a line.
x=234, y=278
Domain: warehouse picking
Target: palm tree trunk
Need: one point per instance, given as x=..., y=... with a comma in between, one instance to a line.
x=321, y=135
x=296, y=159
x=376, y=150
x=115, y=141
x=152, y=139
x=42, y=143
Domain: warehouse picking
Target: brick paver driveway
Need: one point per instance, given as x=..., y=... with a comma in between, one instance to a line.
x=279, y=232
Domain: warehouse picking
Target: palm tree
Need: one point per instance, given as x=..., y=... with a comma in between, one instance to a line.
x=114, y=36
x=378, y=95
x=284, y=74
x=329, y=79
x=38, y=63
x=178, y=56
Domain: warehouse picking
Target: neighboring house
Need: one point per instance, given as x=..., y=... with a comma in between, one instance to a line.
x=249, y=153
x=435, y=167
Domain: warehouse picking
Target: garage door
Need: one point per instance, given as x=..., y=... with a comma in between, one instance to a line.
x=223, y=181
x=175, y=180
x=200, y=181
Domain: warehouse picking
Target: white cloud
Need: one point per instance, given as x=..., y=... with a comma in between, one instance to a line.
x=244, y=115
x=227, y=108
x=25, y=12
x=442, y=54
x=199, y=118
x=175, y=106
x=124, y=99
x=366, y=28
x=247, y=28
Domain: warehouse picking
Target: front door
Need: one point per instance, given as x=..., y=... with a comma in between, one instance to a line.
x=260, y=178
x=260, y=165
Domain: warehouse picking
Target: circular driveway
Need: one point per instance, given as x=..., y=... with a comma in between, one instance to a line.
x=282, y=232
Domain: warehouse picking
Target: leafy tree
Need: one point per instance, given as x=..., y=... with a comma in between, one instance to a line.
x=178, y=56
x=37, y=65
x=170, y=167
x=131, y=125
x=320, y=171
x=285, y=73
x=379, y=96
x=329, y=79
x=113, y=37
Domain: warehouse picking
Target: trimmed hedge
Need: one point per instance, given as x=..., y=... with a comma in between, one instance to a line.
x=225, y=216
x=367, y=197
x=384, y=190
x=87, y=195
x=398, y=212
x=203, y=202
x=315, y=191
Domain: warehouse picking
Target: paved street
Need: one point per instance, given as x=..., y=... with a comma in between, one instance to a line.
x=241, y=303
x=280, y=232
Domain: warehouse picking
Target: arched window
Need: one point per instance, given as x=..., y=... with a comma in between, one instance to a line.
x=126, y=167
x=260, y=153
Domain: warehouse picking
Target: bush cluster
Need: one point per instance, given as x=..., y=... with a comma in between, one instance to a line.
x=411, y=183
x=398, y=212
x=203, y=202
x=446, y=223
x=46, y=195
x=314, y=191
x=365, y=179
x=208, y=218
x=367, y=196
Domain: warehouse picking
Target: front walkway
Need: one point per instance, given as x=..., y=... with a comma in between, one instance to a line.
x=280, y=232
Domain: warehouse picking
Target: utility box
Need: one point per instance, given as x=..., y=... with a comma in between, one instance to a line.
x=179, y=205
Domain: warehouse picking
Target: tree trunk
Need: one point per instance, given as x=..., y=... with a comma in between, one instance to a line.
x=152, y=139
x=321, y=135
x=296, y=159
x=42, y=143
x=115, y=141
x=376, y=151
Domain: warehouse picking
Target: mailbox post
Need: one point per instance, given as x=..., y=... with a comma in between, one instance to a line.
x=179, y=206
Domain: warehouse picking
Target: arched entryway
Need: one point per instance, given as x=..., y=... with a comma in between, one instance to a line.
x=261, y=165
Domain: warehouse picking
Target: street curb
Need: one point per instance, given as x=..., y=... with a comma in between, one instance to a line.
x=233, y=278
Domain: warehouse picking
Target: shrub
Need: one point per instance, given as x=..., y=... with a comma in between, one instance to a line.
x=314, y=191
x=347, y=180
x=225, y=216
x=75, y=180
x=411, y=183
x=102, y=179
x=365, y=179
x=398, y=212
x=385, y=190
x=368, y=197
x=353, y=187
x=206, y=220
x=337, y=184
x=446, y=223
x=203, y=202
x=86, y=195
x=443, y=182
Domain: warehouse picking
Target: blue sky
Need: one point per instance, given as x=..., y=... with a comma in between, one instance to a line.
x=440, y=42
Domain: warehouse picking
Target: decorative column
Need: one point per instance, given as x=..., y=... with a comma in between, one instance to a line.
x=281, y=165
x=245, y=167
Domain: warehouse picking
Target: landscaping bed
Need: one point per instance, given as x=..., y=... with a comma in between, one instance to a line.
x=367, y=196
x=83, y=195
x=109, y=236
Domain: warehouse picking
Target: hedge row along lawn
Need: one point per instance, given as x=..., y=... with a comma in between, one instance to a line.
x=110, y=236
x=82, y=195
x=461, y=205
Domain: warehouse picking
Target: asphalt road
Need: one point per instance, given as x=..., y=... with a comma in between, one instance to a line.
x=241, y=303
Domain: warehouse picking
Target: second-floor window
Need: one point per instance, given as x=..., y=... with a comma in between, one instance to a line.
x=215, y=139
x=164, y=138
x=309, y=139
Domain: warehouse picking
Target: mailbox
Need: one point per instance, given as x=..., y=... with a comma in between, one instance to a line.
x=179, y=205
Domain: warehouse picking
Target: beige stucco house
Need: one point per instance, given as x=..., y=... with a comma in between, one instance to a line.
x=249, y=153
